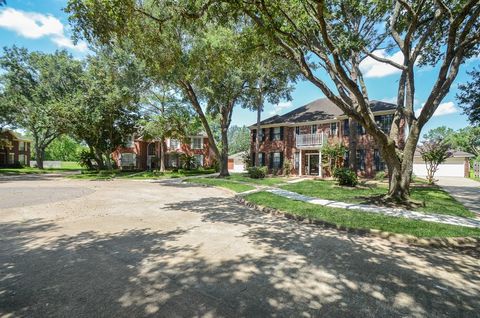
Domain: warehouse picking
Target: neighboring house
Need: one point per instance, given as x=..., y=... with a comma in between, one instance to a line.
x=144, y=154
x=236, y=162
x=298, y=136
x=14, y=149
x=458, y=165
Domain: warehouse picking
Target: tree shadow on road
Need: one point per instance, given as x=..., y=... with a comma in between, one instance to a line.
x=299, y=270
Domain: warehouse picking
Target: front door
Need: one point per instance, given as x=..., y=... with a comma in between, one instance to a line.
x=313, y=165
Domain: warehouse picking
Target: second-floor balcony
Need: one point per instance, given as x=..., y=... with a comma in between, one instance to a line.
x=309, y=140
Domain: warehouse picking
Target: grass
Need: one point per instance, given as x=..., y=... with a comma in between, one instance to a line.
x=268, y=181
x=65, y=166
x=138, y=175
x=434, y=198
x=223, y=183
x=361, y=220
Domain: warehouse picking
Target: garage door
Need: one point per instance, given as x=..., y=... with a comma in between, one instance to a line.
x=444, y=170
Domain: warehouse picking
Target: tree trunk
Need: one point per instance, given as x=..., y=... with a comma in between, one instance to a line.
x=256, y=159
x=162, y=154
x=108, y=162
x=40, y=155
x=99, y=159
x=352, y=145
x=224, y=153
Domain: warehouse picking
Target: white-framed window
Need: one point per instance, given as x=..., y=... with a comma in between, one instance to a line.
x=333, y=129
x=277, y=160
x=174, y=143
x=129, y=141
x=22, y=159
x=261, y=159
x=197, y=143
x=172, y=161
x=21, y=145
x=277, y=133
x=296, y=160
x=11, y=158
x=313, y=129
x=199, y=160
x=297, y=130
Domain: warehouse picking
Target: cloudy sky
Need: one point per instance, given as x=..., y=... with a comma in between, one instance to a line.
x=42, y=25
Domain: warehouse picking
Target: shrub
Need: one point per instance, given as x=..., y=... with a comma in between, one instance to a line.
x=86, y=159
x=257, y=172
x=380, y=175
x=188, y=162
x=345, y=177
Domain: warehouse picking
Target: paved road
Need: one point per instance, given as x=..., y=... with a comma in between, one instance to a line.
x=464, y=190
x=131, y=249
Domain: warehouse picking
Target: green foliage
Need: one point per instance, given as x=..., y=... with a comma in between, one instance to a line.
x=106, y=107
x=345, y=177
x=439, y=133
x=469, y=97
x=238, y=139
x=257, y=172
x=188, y=162
x=287, y=167
x=434, y=152
x=39, y=89
x=380, y=176
x=247, y=159
x=64, y=148
x=86, y=159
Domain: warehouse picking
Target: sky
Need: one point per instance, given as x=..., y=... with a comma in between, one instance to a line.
x=41, y=25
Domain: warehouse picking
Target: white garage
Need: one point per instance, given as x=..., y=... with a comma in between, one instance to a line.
x=456, y=166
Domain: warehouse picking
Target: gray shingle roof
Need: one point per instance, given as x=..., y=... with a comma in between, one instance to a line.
x=320, y=109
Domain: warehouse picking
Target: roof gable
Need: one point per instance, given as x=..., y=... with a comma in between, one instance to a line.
x=318, y=110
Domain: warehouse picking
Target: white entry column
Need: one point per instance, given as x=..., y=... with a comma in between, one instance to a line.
x=320, y=173
x=300, y=163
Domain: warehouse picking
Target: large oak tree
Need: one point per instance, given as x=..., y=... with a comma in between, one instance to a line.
x=335, y=36
x=215, y=67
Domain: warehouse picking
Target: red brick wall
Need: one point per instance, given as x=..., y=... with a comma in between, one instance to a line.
x=287, y=145
x=15, y=149
x=140, y=149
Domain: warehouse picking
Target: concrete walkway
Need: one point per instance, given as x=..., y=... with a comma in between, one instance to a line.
x=437, y=218
x=464, y=190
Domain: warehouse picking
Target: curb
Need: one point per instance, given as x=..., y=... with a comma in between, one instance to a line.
x=452, y=242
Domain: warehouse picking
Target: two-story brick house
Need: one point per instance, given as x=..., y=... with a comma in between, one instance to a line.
x=14, y=149
x=142, y=154
x=298, y=136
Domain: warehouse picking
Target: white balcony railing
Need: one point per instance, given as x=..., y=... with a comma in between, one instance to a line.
x=309, y=140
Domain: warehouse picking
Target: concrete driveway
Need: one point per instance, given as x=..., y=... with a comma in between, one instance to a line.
x=464, y=190
x=136, y=249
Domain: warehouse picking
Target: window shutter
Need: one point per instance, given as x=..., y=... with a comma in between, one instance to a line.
x=263, y=159
x=263, y=134
x=272, y=130
x=270, y=161
x=254, y=136
x=281, y=160
x=281, y=133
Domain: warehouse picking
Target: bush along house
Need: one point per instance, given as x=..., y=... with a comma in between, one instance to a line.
x=141, y=154
x=14, y=149
x=297, y=138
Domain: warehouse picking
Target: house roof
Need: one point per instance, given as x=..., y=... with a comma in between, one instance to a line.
x=455, y=154
x=18, y=136
x=320, y=109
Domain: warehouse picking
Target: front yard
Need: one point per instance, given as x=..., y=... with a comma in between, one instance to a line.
x=434, y=199
x=65, y=166
x=139, y=175
x=360, y=219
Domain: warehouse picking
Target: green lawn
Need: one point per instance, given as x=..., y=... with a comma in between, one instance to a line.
x=361, y=220
x=138, y=175
x=435, y=199
x=268, y=181
x=223, y=183
x=65, y=166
